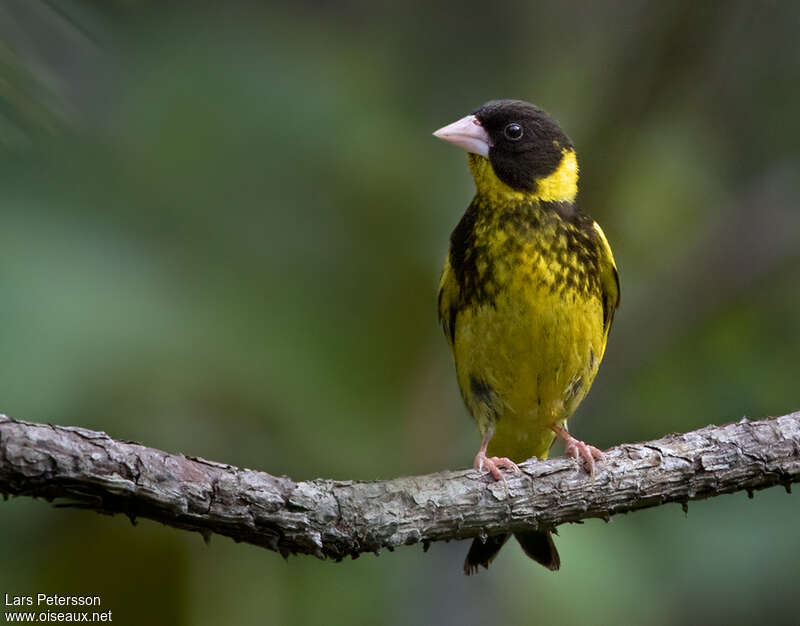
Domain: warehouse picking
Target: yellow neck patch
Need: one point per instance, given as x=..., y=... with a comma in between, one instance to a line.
x=560, y=186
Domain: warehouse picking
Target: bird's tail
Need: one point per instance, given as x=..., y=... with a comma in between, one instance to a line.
x=537, y=544
x=540, y=547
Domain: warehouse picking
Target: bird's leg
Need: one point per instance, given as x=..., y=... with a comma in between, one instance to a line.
x=576, y=448
x=492, y=463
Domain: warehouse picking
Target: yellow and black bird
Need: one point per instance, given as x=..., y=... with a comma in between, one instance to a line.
x=527, y=297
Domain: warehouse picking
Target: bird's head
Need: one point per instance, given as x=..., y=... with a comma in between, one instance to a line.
x=516, y=150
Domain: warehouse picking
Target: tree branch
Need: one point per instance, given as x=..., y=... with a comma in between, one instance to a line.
x=333, y=519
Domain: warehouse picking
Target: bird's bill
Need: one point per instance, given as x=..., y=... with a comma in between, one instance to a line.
x=468, y=134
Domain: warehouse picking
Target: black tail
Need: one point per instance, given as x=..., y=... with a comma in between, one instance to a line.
x=538, y=545
x=483, y=552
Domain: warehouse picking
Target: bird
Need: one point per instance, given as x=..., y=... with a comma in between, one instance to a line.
x=526, y=299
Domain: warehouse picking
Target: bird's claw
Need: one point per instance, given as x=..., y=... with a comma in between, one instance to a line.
x=493, y=464
x=579, y=450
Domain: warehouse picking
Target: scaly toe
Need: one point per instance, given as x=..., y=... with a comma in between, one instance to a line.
x=501, y=461
x=578, y=450
x=490, y=464
x=597, y=454
x=493, y=465
x=589, y=455
x=570, y=449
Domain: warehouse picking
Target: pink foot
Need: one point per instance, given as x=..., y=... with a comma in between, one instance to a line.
x=576, y=448
x=493, y=464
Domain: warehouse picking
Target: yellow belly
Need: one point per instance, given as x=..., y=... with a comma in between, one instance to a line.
x=526, y=361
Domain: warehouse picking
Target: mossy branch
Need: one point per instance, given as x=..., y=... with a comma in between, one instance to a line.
x=334, y=519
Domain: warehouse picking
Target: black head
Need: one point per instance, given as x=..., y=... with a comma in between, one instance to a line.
x=525, y=144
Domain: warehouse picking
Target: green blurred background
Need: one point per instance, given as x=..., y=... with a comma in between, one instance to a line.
x=222, y=228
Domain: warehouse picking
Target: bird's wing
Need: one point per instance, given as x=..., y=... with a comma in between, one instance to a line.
x=448, y=302
x=609, y=278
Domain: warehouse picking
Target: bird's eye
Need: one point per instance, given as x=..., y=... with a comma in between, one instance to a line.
x=513, y=131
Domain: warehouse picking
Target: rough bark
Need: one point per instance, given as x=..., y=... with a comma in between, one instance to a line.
x=333, y=519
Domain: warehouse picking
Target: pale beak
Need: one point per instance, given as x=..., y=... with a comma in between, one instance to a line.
x=468, y=134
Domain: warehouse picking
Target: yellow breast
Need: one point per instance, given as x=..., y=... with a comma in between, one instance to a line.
x=525, y=301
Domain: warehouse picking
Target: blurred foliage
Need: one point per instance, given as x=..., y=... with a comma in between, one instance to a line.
x=222, y=230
